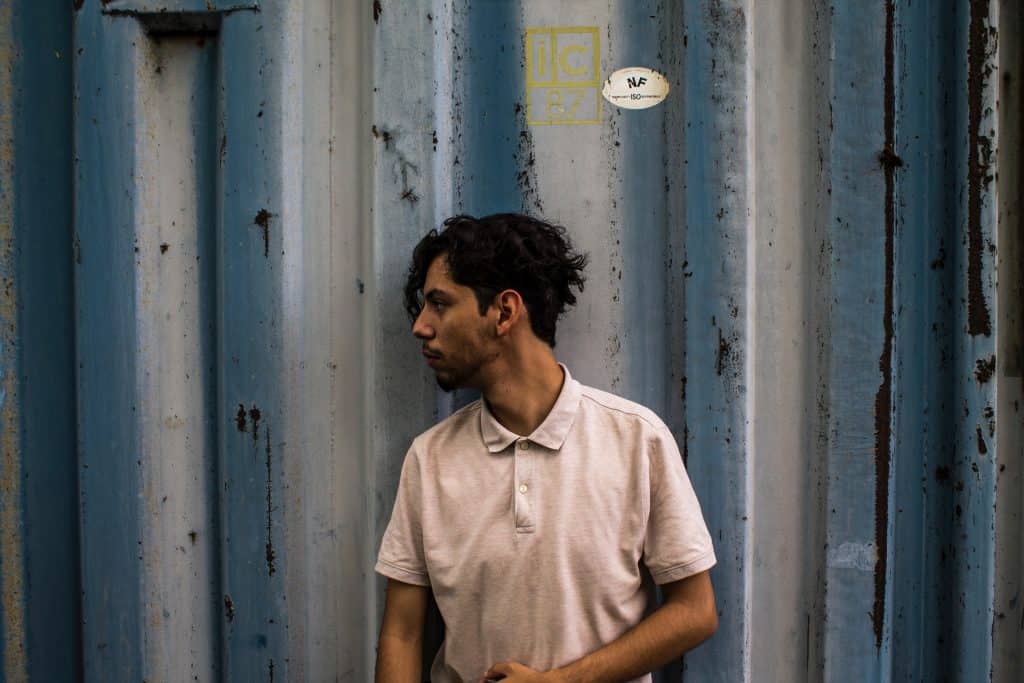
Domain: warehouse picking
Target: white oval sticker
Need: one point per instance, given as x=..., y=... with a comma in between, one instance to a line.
x=635, y=87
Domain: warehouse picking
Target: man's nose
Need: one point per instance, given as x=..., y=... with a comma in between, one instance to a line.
x=421, y=329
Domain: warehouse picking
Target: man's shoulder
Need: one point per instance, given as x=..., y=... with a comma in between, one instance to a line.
x=617, y=408
x=464, y=421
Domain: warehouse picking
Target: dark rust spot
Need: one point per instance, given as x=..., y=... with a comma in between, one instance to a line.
x=271, y=555
x=888, y=159
x=383, y=135
x=982, y=448
x=262, y=220
x=377, y=9
x=164, y=247
x=240, y=420
x=192, y=535
x=229, y=608
x=254, y=415
x=942, y=473
x=723, y=353
x=979, y=151
x=983, y=369
x=883, y=398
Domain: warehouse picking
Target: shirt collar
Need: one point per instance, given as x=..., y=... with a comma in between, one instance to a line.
x=552, y=431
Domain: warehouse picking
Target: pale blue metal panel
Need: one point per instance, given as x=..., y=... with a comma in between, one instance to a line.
x=715, y=291
x=859, y=376
x=250, y=330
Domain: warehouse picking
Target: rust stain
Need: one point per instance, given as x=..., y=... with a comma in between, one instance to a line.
x=271, y=555
x=254, y=416
x=982, y=447
x=984, y=369
x=883, y=398
x=12, y=647
x=262, y=220
x=240, y=420
x=723, y=353
x=377, y=9
x=78, y=4
x=979, y=154
x=164, y=247
x=229, y=609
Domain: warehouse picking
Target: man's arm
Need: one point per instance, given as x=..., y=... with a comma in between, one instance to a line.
x=685, y=620
x=400, y=648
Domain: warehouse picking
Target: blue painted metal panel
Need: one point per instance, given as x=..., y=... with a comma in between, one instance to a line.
x=925, y=482
x=38, y=484
x=715, y=272
x=249, y=337
x=217, y=272
x=108, y=445
x=45, y=370
x=859, y=376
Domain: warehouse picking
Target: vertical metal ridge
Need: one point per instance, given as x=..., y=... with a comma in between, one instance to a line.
x=109, y=457
x=716, y=262
x=13, y=650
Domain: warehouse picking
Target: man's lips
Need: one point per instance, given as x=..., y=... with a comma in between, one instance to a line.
x=431, y=356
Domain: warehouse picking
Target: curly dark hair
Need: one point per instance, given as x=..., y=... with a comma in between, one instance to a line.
x=499, y=252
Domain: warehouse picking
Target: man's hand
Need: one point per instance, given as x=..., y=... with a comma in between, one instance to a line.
x=514, y=672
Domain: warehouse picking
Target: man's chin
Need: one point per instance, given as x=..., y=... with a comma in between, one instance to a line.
x=446, y=385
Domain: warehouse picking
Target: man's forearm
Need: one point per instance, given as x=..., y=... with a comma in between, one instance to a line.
x=664, y=635
x=399, y=660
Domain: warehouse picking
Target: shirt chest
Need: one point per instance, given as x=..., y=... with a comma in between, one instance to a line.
x=552, y=515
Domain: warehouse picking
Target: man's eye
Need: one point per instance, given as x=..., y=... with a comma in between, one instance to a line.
x=438, y=305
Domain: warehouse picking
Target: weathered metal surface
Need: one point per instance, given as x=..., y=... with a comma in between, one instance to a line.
x=175, y=6
x=806, y=259
x=39, y=615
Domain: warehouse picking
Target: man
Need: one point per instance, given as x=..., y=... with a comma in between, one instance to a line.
x=538, y=514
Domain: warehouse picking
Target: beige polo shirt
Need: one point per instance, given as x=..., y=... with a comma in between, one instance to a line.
x=535, y=547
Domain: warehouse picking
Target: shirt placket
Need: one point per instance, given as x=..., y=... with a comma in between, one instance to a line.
x=523, y=493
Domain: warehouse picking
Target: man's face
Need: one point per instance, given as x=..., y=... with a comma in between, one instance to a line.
x=457, y=340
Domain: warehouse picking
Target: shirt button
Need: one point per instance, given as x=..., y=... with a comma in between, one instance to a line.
x=523, y=488
x=524, y=445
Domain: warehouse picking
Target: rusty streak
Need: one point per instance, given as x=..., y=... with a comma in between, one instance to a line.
x=262, y=220
x=229, y=608
x=254, y=415
x=240, y=421
x=270, y=507
x=883, y=399
x=979, y=150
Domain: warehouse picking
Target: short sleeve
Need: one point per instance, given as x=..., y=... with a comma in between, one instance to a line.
x=401, y=550
x=677, y=544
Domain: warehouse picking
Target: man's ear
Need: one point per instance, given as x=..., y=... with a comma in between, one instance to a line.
x=510, y=310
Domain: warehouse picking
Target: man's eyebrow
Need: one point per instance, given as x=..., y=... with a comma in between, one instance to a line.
x=435, y=293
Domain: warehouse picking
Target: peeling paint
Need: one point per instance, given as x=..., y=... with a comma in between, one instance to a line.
x=271, y=555
x=979, y=155
x=883, y=399
x=984, y=369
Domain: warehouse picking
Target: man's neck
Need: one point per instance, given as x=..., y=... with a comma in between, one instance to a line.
x=523, y=395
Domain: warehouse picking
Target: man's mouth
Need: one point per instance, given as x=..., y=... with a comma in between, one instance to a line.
x=431, y=356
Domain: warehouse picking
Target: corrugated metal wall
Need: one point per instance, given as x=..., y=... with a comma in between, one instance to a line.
x=807, y=259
